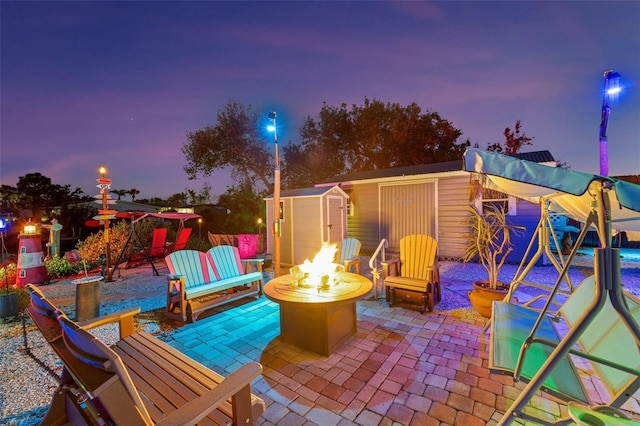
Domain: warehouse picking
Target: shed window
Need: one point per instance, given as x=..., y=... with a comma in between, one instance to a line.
x=492, y=200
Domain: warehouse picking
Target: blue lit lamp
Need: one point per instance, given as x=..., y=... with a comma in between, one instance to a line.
x=276, y=198
x=611, y=91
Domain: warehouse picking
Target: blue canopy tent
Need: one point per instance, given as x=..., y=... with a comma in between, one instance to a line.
x=601, y=203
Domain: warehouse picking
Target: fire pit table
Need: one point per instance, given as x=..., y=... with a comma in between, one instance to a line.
x=318, y=319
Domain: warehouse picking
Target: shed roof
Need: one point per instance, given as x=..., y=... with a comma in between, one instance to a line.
x=536, y=156
x=447, y=166
x=315, y=191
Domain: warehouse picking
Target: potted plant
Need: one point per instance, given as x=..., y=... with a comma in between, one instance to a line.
x=489, y=242
x=8, y=295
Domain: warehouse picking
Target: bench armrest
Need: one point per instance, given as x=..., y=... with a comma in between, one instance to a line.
x=124, y=317
x=175, y=276
x=257, y=262
x=194, y=411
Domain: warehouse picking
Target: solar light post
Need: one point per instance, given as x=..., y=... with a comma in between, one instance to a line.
x=611, y=90
x=105, y=214
x=276, y=198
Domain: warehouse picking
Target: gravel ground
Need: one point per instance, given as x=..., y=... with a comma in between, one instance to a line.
x=28, y=377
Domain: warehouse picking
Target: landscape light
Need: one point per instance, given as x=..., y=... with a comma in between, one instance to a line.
x=29, y=228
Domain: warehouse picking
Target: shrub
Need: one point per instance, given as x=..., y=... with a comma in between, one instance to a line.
x=59, y=267
x=94, y=246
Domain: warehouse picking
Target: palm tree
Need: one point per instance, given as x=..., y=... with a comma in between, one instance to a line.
x=119, y=192
x=133, y=192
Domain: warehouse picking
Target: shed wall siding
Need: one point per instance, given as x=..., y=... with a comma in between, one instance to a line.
x=453, y=199
x=364, y=224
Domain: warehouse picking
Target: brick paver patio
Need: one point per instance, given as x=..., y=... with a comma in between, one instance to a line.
x=400, y=368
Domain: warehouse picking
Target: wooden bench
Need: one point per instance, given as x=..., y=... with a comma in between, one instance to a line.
x=199, y=281
x=138, y=381
x=606, y=347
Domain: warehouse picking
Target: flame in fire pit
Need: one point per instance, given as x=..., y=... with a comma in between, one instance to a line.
x=320, y=271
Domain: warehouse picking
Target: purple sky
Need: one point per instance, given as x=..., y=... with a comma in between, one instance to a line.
x=85, y=84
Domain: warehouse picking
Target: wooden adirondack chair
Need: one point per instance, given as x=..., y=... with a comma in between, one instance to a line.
x=348, y=252
x=140, y=380
x=417, y=278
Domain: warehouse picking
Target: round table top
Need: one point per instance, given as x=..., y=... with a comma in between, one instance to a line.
x=88, y=280
x=350, y=287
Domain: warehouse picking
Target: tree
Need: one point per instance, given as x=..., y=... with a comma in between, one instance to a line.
x=514, y=141
x=201, y=197
x=233, y=142
x=133, y=192
x=369, y=137
x=37, y=193
x=44, y=201
x=119, y=192
x=244, y=207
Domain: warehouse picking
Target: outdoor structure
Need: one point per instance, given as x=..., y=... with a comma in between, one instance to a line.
x=428, y=199
x=31, y=268
x=309, y=217
x=602, y=309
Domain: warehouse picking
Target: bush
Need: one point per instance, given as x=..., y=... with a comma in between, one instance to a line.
x=8, y=272
x=92, y=248
x=59, y=267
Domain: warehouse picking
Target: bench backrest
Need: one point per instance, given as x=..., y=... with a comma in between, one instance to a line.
x=606, y=337
x=417, y=256
x=225, y=261
x=193, y=265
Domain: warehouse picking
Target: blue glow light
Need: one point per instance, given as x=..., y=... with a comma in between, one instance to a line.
x=3, y=224
x=271, y=128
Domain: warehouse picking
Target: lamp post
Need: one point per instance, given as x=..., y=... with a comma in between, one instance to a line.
x=200, y=228
x=611, y=90
x=260, y=235
x=105, y=214
x=276, y=198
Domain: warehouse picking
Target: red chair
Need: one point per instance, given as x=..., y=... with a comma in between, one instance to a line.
x=157, y=249
x=158, y=243
x=181, y=241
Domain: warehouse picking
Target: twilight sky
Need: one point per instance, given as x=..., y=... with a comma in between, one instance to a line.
x=119, y=84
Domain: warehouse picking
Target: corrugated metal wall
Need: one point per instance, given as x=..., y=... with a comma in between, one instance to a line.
x=407, y=209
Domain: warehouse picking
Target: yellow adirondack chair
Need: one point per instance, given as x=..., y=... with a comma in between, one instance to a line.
x=417, y=278
x=348, y=252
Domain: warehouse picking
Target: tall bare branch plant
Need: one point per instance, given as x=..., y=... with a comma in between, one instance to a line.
x=489, y=240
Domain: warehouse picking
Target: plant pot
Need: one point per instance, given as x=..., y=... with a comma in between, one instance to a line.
x=8, y=305
x=482, y=296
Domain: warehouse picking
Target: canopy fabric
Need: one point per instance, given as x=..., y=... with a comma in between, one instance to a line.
x=169, y=216
x=567, y=192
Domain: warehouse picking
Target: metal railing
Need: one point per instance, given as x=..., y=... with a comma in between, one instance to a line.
x=376, y=261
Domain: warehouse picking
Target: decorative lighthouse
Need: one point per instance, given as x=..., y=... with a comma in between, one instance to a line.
x=31, y=268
